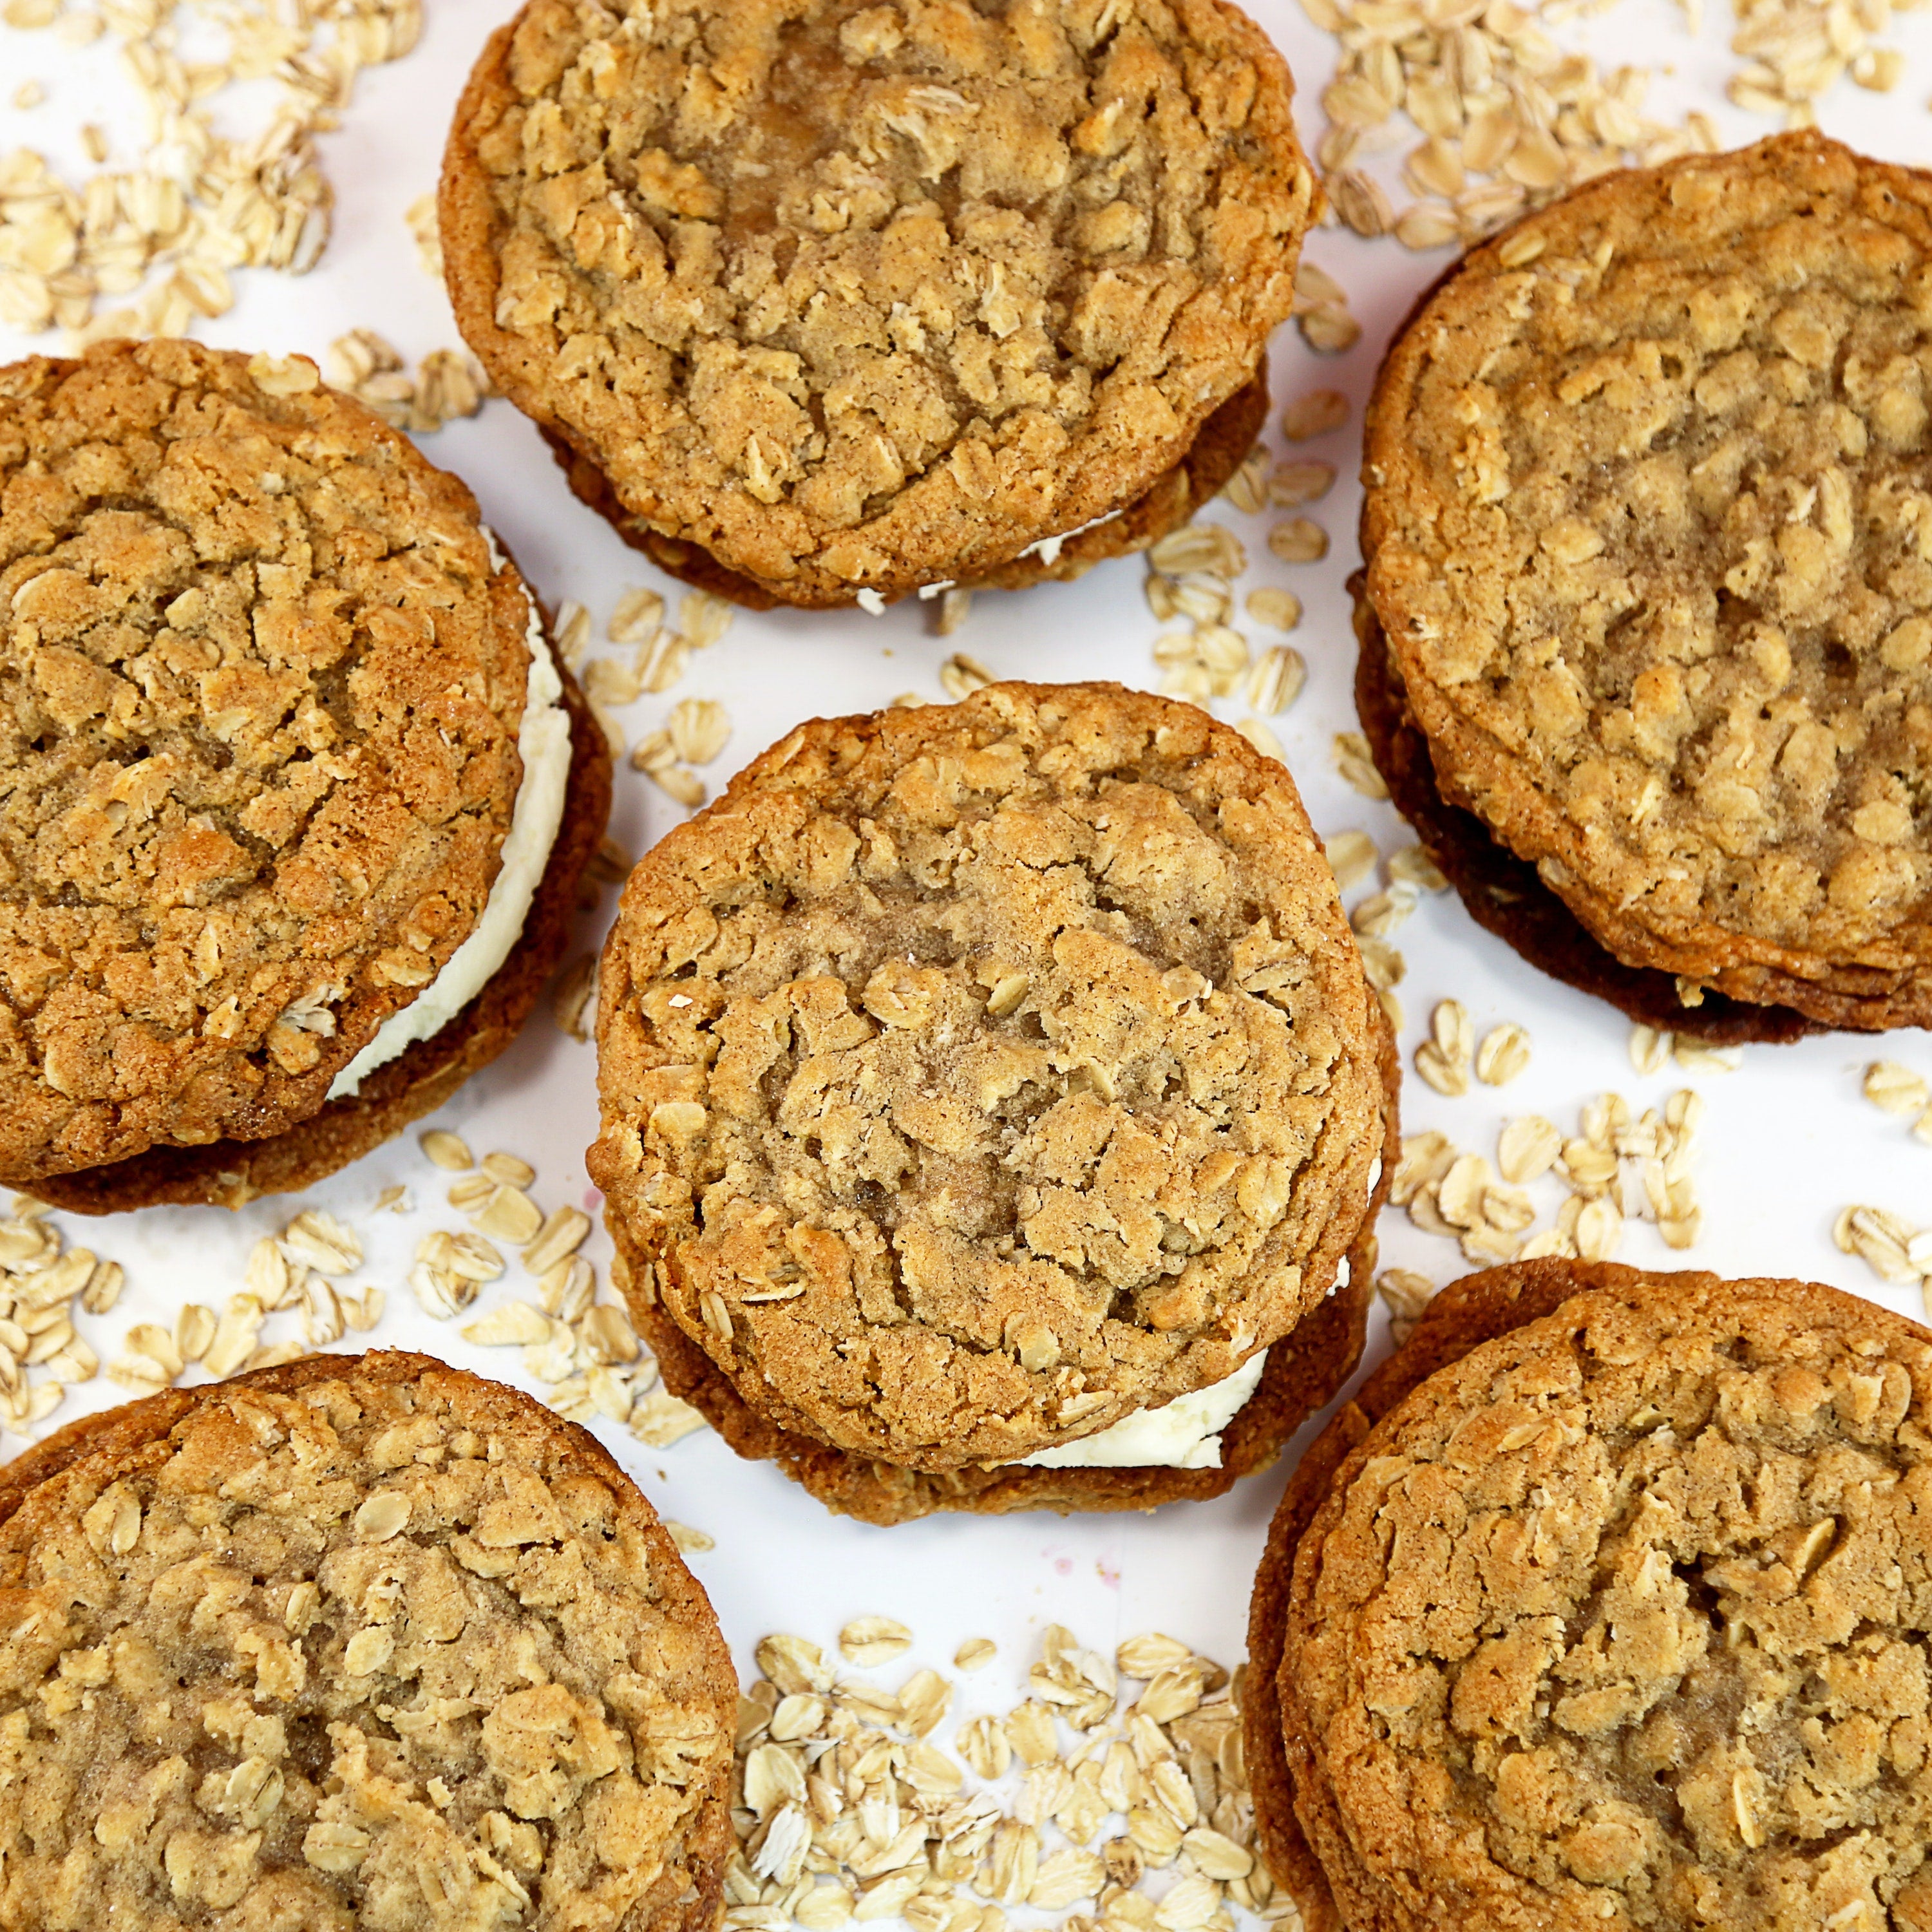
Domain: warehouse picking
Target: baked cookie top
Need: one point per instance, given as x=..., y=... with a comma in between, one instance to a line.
x=369, y=1642
x=1622, y=1618
x=974, y=1075
x=863, y=296
x=1646, y=509
x=260, y=684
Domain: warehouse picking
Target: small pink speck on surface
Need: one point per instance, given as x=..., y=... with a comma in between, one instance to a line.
x=593, y=1199
x=1109, y=1575
x=1062, y=1566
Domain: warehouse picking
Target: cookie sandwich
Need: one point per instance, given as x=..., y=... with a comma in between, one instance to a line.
x=295, y=793
x=994, y=1108
x=1646, y=635
x=1604, y=1602
x=356, y=1641
x=831, y=304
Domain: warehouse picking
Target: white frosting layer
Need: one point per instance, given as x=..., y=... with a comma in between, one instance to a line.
x=543, y=744
x=1183, y=1434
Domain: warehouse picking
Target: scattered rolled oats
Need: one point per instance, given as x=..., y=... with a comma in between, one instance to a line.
x=1412, y=866
x=1896, y=1089
x=1278, y=610
x=975, y=1654
x=1443, y=1059
x=1304, y=480
x=1503, y=1054
x=1247, y=488
x=1357, y=767
x=951, y=609
x=1316, y=412
x=1352, y=857
x=1276, y=679
x=692, y=1542
x=637, y=617
x=699, y=728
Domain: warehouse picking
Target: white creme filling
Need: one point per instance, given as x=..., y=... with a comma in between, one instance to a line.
x=1183, y=1434
x=543, y=744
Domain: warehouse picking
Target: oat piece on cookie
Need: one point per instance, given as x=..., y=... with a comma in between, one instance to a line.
x=357, y=1641
x=816, y=301
x=1644, y=479
x=263, y=696
x=974, y=1078
x=1604, y=1602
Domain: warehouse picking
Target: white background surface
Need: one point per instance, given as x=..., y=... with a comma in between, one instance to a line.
x=1788, y=1140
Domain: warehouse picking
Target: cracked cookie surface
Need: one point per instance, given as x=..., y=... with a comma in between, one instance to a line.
x=972, y=1076
x=867, y=296
x=259, y=704
x=1645, y=525
x=1621, y=1618
x=361, y=1642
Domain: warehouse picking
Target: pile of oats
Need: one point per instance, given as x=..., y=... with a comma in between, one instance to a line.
x=449, y=383
x=697, y=730
x=1890, y=1246
x=39, y=1286
x=584, y=1349
x=1794, y=50
x=1618, y=1166
x=1508, y=119
x=191, y=203
x=1135, y=1808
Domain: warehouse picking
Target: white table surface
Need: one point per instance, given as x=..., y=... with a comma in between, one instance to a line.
x=1788, y=1142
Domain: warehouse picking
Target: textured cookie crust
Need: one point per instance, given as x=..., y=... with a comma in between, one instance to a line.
x=1304, y=1370
x=1503, y=893
x=972, y=1076
x=229, y=1174
x=863, y=297
x=361, y=1641
x=1215, y=454
x=1645, y=492
x=1620, y=1618
x=259, y=696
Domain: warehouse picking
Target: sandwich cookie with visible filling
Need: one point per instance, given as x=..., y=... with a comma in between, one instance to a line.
x=356, y=1641
x=835, y=303
x=986, y=1090
x=294, y=794
x=1606, y=1601
x=1644, y=608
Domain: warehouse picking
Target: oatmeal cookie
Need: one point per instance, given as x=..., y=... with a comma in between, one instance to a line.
x=1645, y=486
x=360, y=1640
x=1304, y=1371
x=1607, y=1606
x=975, y=1076
x=825, y=298
x=259, y=706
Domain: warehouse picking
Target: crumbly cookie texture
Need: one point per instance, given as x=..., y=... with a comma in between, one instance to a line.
x=258, y=705
x=1505, y=895
x=861, y=297
x=1644, y=524
x=361, y=1642
x=973, y=1075
x=1621, y=1618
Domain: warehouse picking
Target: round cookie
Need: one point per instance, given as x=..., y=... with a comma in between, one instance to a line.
x=1643, y=475
x=973, y=1077
x=259, y=713
x=1604, y=1602
x=837, y=298
x=358, y=1640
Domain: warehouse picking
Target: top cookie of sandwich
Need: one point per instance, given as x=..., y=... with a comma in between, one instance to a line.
x=864, y=297
x=260, y=682
x=1646, y=505
x=1621, y=1618
x=975, y=1075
